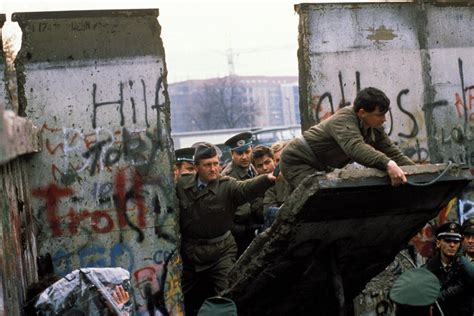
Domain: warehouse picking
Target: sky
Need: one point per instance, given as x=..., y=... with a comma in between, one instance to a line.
x=198, y=35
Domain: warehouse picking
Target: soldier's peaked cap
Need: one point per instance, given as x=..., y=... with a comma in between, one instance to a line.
x=239, y=142
x=450, y=231
x=468, y=226
x=185, y=154
x=418, y=287
x=204, y=151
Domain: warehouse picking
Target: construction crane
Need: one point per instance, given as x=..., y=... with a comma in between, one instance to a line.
x=230, y=54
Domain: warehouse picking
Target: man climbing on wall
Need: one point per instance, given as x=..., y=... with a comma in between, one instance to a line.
x=353, y=133
x=207, y=202
x=241, y=168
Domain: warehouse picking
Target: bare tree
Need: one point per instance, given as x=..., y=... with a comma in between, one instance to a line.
x=224, y=103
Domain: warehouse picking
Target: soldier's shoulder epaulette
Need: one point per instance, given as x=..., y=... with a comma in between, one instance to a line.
x=225, y=178
x=185, y=180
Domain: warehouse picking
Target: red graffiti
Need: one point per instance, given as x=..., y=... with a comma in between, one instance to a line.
x=147, y=277
x=424, y=241
x=121, y=198
x=91, y=138
x=461, y=107
x=139, y=201
x=101, y=216
x=121, y=203
x=53, y=130
x=51, y=150
x=53, y=194
x=74, y=221
x=315, y=100
x=101, y=221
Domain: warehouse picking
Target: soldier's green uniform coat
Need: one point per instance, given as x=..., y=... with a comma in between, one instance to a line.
x=276, y=195
x=334, y=143
x=237, y=172
x=246, y=215
x=207, y=214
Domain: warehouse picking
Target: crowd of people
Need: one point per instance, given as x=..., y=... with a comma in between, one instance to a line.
x=445, y=284
x=223, y=207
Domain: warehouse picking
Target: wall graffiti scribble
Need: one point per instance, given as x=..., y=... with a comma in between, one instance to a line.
x=410, y=123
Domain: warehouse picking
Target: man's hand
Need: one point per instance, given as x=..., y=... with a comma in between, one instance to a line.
x=396, y=174
x=271, y=177
x=121, y=296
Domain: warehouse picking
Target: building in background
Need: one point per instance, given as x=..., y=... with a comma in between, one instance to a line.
x=290, y=103
x=234, y=102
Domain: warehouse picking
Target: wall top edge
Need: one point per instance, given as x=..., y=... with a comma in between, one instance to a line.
x=355, y=5
x=51, y=15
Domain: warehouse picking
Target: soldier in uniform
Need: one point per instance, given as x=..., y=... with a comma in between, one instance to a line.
x=468, y=244
x=415, y=293
x=184, y=161
x=454, y=272
x=240, y=168
x=353, y=133
x=468, y=238
x=207, y=202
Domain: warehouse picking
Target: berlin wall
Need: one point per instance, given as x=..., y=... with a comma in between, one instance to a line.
x=3, y=89
x=422, y=56
x=94, y=82
x=18, y=136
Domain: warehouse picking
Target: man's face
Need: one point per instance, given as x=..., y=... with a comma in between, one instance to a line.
x=186, y=167
x=373, y=119
x=448, y=247
x=176, y=173
x=242, y=158
x=277, y=156
x=208, y=169
x=468, y=244
x=264, y=165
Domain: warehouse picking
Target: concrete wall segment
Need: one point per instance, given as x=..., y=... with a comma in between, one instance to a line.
x=447, y=27
x=17, y=236
x=18, y=136
x=3, y=90
x=374, y=27
x=103, y=186
x=422, y=57
x=414, y=52
x=78, y=32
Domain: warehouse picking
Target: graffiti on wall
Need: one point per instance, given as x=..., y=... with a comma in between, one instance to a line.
x=108, y=202
x=412, y=143
x=411, y=138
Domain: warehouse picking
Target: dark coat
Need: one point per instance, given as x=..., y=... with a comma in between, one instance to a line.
x=208, y=213
x=456, y=286
x=334, y=143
